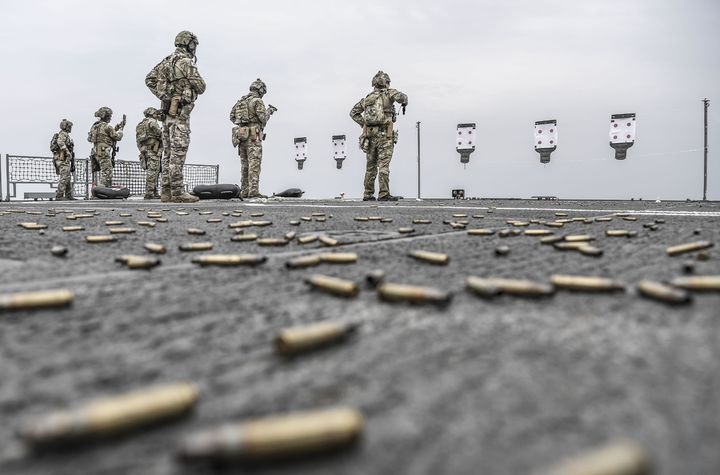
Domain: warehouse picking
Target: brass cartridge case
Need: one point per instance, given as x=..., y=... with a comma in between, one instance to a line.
x=138, y=262
x=122, y=230
x=333, y=285
x=155, y=248
x=147, y=224
x=294, y=222
x=290, y=235
x=196, y=231
x=662, y=292
x=551, y=239
x=100, y=239
x=196, y=246
x=579, y=238
x=305, y=218
x=502, y=251
x=309, y=337
x=406, y=230
x=518, y=287
x=603, y=219
x=229, y=260
x=213, y=220
x=436, y=258
x=70, y=229
x=619, y=458
x=240, y=224
x=111, y=416
x=689, y=247
x=244, y=237
x=36, y=300
x=114, y=223
x=421, y=221
x=328, y=241
x=482, y=287
x=590, y=251
x=480, y=232
x=257, y=214
x=272, y=242
x=586, y=283
x=303, y=261
x=698, y=282
x=307, y=239
x=616, y=232
x=261, y=224
x=33, y=226
x=295, y=434
x=59, y=251
x=413, y=294
x=339, y=257
x=538, y=232
x=361, y=218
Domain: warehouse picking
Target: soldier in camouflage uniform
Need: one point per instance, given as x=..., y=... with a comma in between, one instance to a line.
x=149, y=137
x=376, y=115
x=63, y=150
x=250, y=118
x=177, y=83
x=104, y=138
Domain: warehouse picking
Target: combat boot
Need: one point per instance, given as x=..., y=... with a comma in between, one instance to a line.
x=184, y=197
x=256, y=195
x=165, y=196
x=368, y=198
x=388, y=198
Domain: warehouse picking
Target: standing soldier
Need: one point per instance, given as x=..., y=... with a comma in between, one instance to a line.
x=63, y=150
x=148, y=135
x=177, y=83
x=104, y=138
x=376, y=115
x=250, y=117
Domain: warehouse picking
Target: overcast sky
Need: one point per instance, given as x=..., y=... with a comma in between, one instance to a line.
x=502, y=64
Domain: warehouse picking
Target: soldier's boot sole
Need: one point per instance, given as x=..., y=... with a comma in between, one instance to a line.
x=185, y=198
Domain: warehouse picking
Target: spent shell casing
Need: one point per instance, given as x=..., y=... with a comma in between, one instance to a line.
x=478, y=216
x=196, y=246
x=551, y=239
x=114, y=223
x=587, y=221
x=307, y=239
x=111, y=416
x=261, y=224
x=456, y=225
x=480, y=232
x=537, y=232
x=629, y=218
x=59, y=251
x=579, y=238
x=569, y=246
x=361, y=218
x=662, y=292
x=554, y=224
x=375, y=277
x=517, y=287
x=632, y=234
x=321, y=219
x=257, y=215
x=503, y=233
x=290, y=235
x=560, y=214
x=305, y=218
x=147, y=224
x=689, y=247
x=619, y=458
x=225, y=213
x=33, y=226
x=436, y=258
x=339, y=257
x=229, y=260
x=406, y=230
x=121, y=230
x=603, y=219
x=303, y=261
x=421, y=221
x=100, y=239
x=240, y=224
x=659, y=221
x=138, y=262
x=482, y=287
x=294, y=222
x=386, y=220
x=460, y=215
x=616, y=232
x=328, y=241
x=35, y=300
x=586, y=283
x=413, y=294
x=70, y=229
x=213, y=220
x=155, y=248
x=698, y=282
x=333, y=285
x=182, y=213
x=205, y=213
x=276, y=437
x=244, y=237
x=272, y=242
x=291, y=341
x=520, y=224
x=502, y=251
x=317, y=213
x=161, y=220
x=196, y=231
x=588, y=250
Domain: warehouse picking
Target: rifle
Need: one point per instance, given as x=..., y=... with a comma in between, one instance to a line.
x=115, y=148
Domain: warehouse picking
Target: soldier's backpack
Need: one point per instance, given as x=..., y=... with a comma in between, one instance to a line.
x=92, y=134
x=160, y=79
x=290, y=193
x=141, y=132
x=54, y=147
x=374, y=106
x=107, y=193
x=242, y=110
x=217, y=192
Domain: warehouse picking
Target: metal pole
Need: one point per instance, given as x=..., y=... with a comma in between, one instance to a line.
x=706, y=104
x=418, y=148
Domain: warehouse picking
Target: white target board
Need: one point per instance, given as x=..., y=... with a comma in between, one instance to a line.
x=465, y=141
x=339, y=147
x=622, y=128
x=546, y=134
x=301, y=148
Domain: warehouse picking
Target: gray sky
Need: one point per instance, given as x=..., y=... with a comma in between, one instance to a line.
x=501, y=64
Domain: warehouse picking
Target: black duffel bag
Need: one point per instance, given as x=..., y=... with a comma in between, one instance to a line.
x=106, y=193
x=217, y=192
x=290, y=193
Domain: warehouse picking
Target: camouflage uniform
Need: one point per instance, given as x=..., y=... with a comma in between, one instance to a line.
x=250, y=117
x=184, y=85
x=104, y=137
x=149, y=136
x=378, y=139
x=63, y=160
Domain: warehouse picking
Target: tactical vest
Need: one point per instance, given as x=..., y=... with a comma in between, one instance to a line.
x=54, y=147
x=161, y=79
x=244, y=112
x=376, y=107
x=143, y=132
x=98, y=133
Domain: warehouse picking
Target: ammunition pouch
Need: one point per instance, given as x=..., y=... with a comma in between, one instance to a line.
x=240, y=134
x=174, y=106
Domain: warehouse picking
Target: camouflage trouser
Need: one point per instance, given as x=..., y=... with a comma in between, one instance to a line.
x=379, y=155
x=103, y=153
x=250, y=152
x=152, y=171
x=176, y=141
x=64, y=177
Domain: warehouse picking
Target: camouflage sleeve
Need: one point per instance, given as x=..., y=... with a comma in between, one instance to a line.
x=356, y=113
x=190, y=73
x=232, y=113
x=63, y=141
x=115, y=135
x=398, y=96
x=155, y=128
x=261, y=112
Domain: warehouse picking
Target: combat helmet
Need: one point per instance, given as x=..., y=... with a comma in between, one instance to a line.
x=259, y=86
x=66, y=125
x=184, y=38
x=103, y=113
x=150, y=112
x=381, y=80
